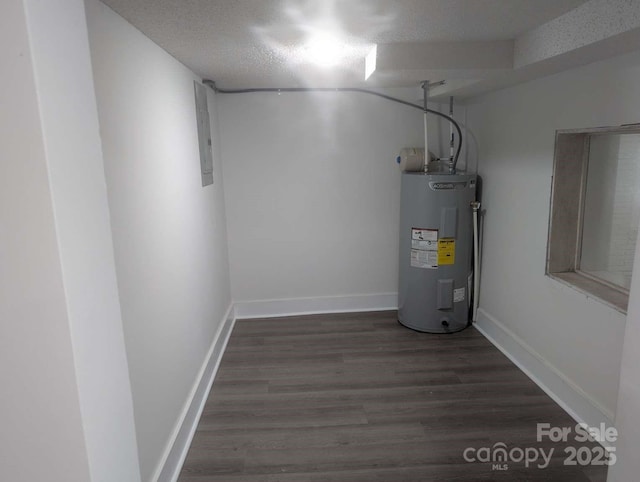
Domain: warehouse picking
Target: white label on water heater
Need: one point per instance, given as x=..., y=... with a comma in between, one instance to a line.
x=424, y=259
x=424, y=245
x=419, y=234
x=424, y=248
x=458, y=295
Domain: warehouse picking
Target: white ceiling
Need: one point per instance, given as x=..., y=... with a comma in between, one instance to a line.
x=473, y=44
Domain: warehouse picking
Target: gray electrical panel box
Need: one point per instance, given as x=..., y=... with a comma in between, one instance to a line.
x=436, y=248
x=204, y=134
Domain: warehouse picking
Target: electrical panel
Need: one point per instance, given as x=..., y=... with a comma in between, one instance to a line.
x=204, y=134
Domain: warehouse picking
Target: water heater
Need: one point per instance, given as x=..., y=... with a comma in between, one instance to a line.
x=436, y=251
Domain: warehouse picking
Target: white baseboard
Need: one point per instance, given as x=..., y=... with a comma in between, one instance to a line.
x=306, y=306
x=173, y=458
x=580, y=406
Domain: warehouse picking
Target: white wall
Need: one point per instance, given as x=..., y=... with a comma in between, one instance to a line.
x=66, y=398
x=573, y=335
x=41, y=418
x=66, y=96
x=313, y=192
x=627, y=466
x=168, y=232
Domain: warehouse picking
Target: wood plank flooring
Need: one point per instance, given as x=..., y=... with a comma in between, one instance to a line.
x=359, y=398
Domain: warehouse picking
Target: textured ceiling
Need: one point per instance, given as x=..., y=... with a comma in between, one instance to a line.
x=241, y=43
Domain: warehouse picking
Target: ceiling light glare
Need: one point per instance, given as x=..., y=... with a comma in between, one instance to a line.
x=324, y=50
x=370, y=62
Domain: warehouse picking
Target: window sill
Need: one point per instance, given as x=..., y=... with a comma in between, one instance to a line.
x=602, y=292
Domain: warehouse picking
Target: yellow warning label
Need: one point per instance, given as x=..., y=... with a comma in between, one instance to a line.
x=446, y=251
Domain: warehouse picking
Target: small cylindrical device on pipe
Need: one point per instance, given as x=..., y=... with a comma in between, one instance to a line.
x=411, y=159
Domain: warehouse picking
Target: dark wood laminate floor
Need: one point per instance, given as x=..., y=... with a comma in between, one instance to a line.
x=359, y=398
